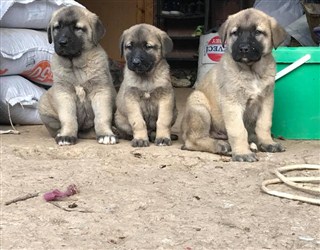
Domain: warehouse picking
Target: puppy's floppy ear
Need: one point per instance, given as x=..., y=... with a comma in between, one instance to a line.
x=166, y=43
x=50, y=27
x=122, y=39
x=98, y=31
x=223, y=31
x=49, y=31
x=277, y=32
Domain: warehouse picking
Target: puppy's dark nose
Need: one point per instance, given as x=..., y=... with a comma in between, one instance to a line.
x=136, y=61
x=63, y=41
x=244, y=48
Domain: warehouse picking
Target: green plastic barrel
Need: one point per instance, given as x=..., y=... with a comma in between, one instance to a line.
x=296, y=113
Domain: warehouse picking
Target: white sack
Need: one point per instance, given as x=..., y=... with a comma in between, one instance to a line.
x=21, y=97
x=26, y=52
x=33, y=14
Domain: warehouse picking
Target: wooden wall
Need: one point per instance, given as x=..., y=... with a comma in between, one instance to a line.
x=118, y=15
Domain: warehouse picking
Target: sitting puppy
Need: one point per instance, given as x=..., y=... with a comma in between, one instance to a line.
x=234, y=100
x=145, y=102
x=81, y=101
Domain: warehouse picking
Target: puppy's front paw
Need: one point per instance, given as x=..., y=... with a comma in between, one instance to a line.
x=253, y=147
x=275, y=147
x=163, y=141
x=140, y=143
x=65, y=140
x=223, y=147
x=107, y=139
x=245, y=157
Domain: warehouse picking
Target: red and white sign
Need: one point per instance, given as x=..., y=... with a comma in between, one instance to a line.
x=40, y=73
x=210, y=52
x=213, y=50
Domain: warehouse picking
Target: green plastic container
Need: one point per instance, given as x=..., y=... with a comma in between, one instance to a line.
x=296, y=113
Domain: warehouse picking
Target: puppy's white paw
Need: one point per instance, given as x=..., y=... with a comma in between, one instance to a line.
x=64, y=143
x=253, y=147
x=107, y=139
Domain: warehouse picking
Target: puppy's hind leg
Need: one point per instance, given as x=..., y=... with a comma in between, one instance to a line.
x=196, y=132
x=123, y=127
x=52, y=124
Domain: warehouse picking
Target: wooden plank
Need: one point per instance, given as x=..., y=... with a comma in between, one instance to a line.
x=144, y=11
x=149, y=12
x=140, y=11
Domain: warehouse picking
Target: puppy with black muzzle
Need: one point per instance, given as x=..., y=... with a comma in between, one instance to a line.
x=234, y=100
x=82, y=99
x=146, y=107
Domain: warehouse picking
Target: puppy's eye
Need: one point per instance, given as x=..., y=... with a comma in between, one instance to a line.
x=128, y=46
x=234, y=33
x=258, y=32
x=149, y=46
x=57, y=27
x=76, y=28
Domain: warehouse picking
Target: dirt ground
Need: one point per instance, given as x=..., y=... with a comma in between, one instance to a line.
x=148, y=198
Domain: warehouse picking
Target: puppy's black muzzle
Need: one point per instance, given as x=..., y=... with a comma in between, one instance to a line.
x=246, y=48
x=67, y=44
x=140, y=61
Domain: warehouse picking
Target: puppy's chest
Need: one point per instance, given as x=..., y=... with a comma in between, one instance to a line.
x=80, y=75
x=81, y=93
x=147, y=99
x=81, y=85
x=255, y=88
x=145, y=95
x=73, y=74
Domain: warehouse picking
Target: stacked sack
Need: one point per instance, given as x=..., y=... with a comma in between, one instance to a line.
x=25, y=55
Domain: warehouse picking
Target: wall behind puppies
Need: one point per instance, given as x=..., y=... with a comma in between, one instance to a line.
x=117, y=16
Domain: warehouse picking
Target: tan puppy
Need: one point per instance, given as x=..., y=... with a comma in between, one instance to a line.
x=145, y=102
x=81, y=100
x=234, y=100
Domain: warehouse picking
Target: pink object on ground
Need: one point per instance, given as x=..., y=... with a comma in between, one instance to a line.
x=57, y=194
